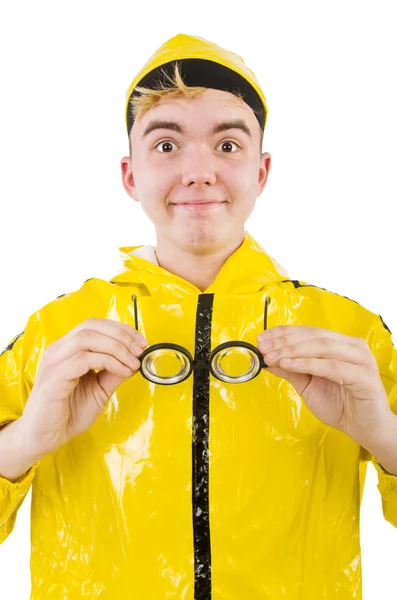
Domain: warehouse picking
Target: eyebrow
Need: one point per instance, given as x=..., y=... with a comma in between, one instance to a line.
x=217, y=128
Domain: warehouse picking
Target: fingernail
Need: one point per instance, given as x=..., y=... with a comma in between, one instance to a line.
x=263, y=336
x=267, y=345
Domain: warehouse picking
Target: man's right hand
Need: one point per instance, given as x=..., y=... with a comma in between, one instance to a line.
x=68, y=395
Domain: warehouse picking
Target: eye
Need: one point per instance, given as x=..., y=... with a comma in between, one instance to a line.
x=228, y=142
x=164, y=143
x=168, y=143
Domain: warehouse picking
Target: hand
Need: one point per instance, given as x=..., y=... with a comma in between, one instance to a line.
x=336, y=375
x=68, y=395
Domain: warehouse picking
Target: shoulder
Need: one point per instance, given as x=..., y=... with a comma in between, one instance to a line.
x=348, y=309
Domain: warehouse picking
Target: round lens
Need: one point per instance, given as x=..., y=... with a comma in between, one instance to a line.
x=165, y=365
x=235, y=364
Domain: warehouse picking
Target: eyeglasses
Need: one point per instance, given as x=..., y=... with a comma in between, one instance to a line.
x=220, y=355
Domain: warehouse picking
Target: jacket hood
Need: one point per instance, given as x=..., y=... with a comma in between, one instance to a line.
x=246, y=270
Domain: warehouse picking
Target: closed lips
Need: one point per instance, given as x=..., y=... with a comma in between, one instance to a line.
x=198, y=202
x=200, y=206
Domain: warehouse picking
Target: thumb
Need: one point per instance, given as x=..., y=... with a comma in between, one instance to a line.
x=299, y=381
x=109, y=382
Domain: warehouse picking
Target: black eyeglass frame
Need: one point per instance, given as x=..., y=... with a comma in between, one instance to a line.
x=197, y=365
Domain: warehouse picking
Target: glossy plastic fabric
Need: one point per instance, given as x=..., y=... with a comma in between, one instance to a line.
x=183, y=46
x=202, y=489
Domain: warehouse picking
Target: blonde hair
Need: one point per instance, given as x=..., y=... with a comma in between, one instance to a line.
x=148, y=98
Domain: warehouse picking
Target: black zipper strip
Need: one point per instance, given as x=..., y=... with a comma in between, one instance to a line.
x=200, y=441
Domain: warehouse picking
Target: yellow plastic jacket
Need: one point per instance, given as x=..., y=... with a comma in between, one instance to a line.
x=202, y=489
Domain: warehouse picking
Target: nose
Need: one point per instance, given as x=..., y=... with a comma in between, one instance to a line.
x=199, y=167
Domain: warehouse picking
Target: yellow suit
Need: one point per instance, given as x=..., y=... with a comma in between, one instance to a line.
x=201, y=489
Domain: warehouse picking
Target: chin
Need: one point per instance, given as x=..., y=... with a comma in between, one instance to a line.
x=200, y=238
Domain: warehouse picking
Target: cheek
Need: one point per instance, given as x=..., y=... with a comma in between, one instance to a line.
x=240, y=177
x=153, y=186
x=156, y=180
x=242, y=183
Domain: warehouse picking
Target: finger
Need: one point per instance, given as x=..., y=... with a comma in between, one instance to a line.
x=121, y=332
x=299, y=381
x=87, y=340
x=283, y=333
x=340, y=372
x=326, y=348
x=79, y=364
x=108, y=327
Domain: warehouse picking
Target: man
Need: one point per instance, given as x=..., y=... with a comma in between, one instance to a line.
x=201, y=188
x=172, y=454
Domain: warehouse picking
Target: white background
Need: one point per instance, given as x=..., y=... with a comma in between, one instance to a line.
x=328, y=71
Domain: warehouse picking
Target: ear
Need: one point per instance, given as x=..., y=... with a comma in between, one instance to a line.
x=264, y=169
x=127, y=178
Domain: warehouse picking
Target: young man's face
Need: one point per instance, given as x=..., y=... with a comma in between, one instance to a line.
x=169, y=170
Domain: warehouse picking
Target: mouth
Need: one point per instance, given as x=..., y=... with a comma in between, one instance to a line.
x=198, y=205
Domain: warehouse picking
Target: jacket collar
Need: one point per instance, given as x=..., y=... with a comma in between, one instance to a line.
x=246, y=270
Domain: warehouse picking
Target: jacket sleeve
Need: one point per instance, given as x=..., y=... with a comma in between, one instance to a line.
x=386, y=356
x=15, y=384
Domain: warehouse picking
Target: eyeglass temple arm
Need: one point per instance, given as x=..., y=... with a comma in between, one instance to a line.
x=267, y=302
x=135, y=312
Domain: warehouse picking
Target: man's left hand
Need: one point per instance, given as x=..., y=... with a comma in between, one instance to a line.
x=336, y=375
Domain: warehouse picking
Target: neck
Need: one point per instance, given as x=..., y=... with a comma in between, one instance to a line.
x=195, y=265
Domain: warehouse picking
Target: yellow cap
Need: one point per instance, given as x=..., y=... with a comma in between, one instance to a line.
x=202, y=63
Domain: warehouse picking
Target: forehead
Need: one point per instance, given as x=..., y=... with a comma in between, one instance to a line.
x=211, y=106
